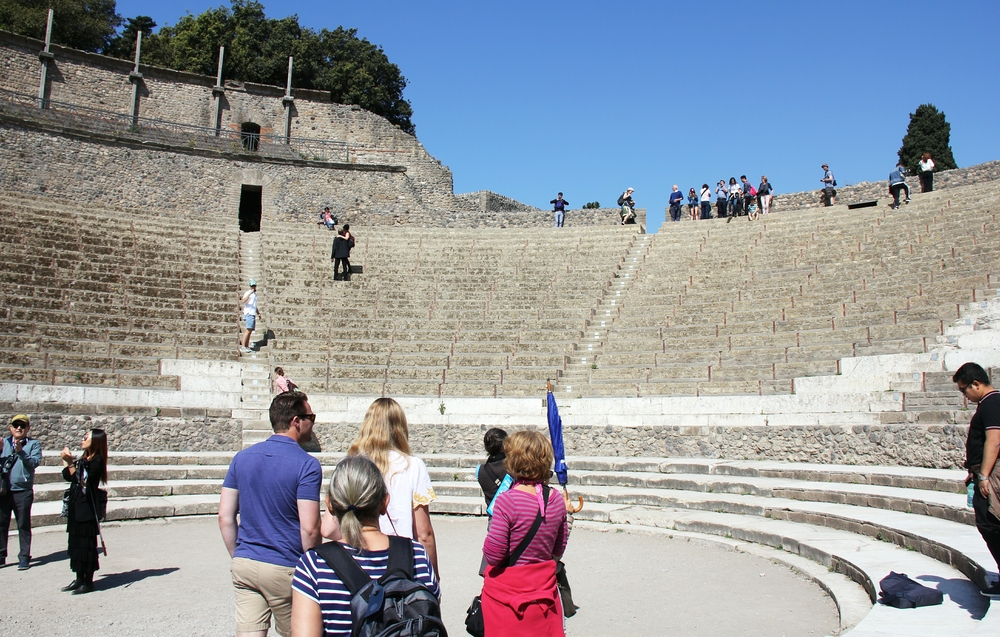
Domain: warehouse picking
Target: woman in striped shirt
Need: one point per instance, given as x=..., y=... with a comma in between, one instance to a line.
x=321, y=604
x=519, y=593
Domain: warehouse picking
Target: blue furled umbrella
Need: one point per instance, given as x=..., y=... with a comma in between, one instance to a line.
x=555, y=433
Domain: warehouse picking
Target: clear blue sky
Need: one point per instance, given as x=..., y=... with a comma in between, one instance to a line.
x=530, y=98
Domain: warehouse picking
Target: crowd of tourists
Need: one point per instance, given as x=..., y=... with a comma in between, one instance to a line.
x=381, y=543
x=734, y=199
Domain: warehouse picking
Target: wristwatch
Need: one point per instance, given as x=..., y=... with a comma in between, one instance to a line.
x=982, y=478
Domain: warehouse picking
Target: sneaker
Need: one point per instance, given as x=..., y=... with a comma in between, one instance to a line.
x=993, y=590
x=22, y=565
x=907, y=201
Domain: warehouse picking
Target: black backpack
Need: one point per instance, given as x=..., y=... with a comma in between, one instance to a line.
x=900, y=591
x=394, y=605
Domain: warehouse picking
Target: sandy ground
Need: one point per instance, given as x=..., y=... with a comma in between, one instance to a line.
x=164, y=578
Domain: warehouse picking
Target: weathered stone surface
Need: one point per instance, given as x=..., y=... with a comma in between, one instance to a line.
x=136, y=432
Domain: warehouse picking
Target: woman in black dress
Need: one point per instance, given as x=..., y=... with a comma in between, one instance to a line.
x=85, y=475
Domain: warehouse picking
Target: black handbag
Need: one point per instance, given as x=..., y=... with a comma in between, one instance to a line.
x=67, y=496
x=565, y=594
x=474, y=616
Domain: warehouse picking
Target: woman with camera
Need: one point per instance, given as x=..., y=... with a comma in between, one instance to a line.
x=87, y=504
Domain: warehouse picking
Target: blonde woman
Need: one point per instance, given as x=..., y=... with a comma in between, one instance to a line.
x=385, y=438
x=321, y=601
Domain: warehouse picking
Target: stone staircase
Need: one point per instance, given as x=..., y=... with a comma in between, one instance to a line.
x=603, y=316
x=256, y=366
x=853, y=524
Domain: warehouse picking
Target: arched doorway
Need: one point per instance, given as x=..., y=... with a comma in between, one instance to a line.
x=251, y=206
x=250, y=136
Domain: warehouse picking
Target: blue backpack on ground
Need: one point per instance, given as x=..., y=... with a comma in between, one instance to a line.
x=900, y=591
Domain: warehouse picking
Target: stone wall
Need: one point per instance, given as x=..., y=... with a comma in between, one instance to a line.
x=111, y=173
x=132, y=429
x=940, y=447
x=101, y=82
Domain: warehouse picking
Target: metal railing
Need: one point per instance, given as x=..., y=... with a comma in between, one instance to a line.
x=145, y=129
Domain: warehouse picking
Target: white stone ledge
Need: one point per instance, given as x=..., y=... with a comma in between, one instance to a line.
x=18, y=393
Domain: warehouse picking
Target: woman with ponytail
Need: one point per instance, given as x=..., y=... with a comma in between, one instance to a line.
x=86, y=474
x=321, y=603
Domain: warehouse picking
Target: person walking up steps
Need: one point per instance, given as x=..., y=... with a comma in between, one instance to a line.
x=250, y=316
x=19, y=457
x=269, y=516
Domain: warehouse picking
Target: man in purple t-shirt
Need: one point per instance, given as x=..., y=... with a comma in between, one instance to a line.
x=274, y=487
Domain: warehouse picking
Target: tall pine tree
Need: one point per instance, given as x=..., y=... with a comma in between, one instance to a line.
x=928, y=132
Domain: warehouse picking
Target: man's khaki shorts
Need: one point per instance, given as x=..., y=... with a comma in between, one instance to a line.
x=262, y=590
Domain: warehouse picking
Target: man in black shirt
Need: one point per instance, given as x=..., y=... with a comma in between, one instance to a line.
x=981, y=450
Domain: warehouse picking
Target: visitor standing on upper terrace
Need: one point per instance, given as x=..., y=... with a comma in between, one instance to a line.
x=829, y=181
x=981, y=450
x=926, y=173
x=628, y=206
x=273, y=486
x=250, y=316
x=19, y=457
x=559, y=208
x=676, y=199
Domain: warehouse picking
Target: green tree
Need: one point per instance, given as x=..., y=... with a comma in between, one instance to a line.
x=928, y=132
x=353, y=70
x=81, y=24
x=123, y=44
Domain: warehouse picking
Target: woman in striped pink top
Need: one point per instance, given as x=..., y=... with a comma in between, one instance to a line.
x=520, y=596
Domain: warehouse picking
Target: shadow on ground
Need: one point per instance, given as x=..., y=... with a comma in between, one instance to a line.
x=962, y=592
x=127, y=578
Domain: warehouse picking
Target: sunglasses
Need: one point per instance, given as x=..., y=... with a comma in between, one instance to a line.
x=19, y=425
x=310, y=417
x=964, y=389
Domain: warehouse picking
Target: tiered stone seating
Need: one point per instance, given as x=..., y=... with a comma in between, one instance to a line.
x=739, y=307
x=98, y=297
x=858, y=522
x=436, y=312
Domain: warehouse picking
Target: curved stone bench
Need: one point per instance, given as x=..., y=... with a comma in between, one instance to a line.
x=857, y=521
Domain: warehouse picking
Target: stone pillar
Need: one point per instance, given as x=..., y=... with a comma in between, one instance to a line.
x=135, y=77
x=45, y=57
x=287, y=102
x=218, y=91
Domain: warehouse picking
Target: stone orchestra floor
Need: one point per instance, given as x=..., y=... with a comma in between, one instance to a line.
x=171, y=577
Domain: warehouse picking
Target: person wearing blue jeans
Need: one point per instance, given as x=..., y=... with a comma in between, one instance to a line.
x=559, y=207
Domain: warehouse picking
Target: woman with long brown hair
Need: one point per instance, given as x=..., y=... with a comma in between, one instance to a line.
x=385, y=438
x=85, y=474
